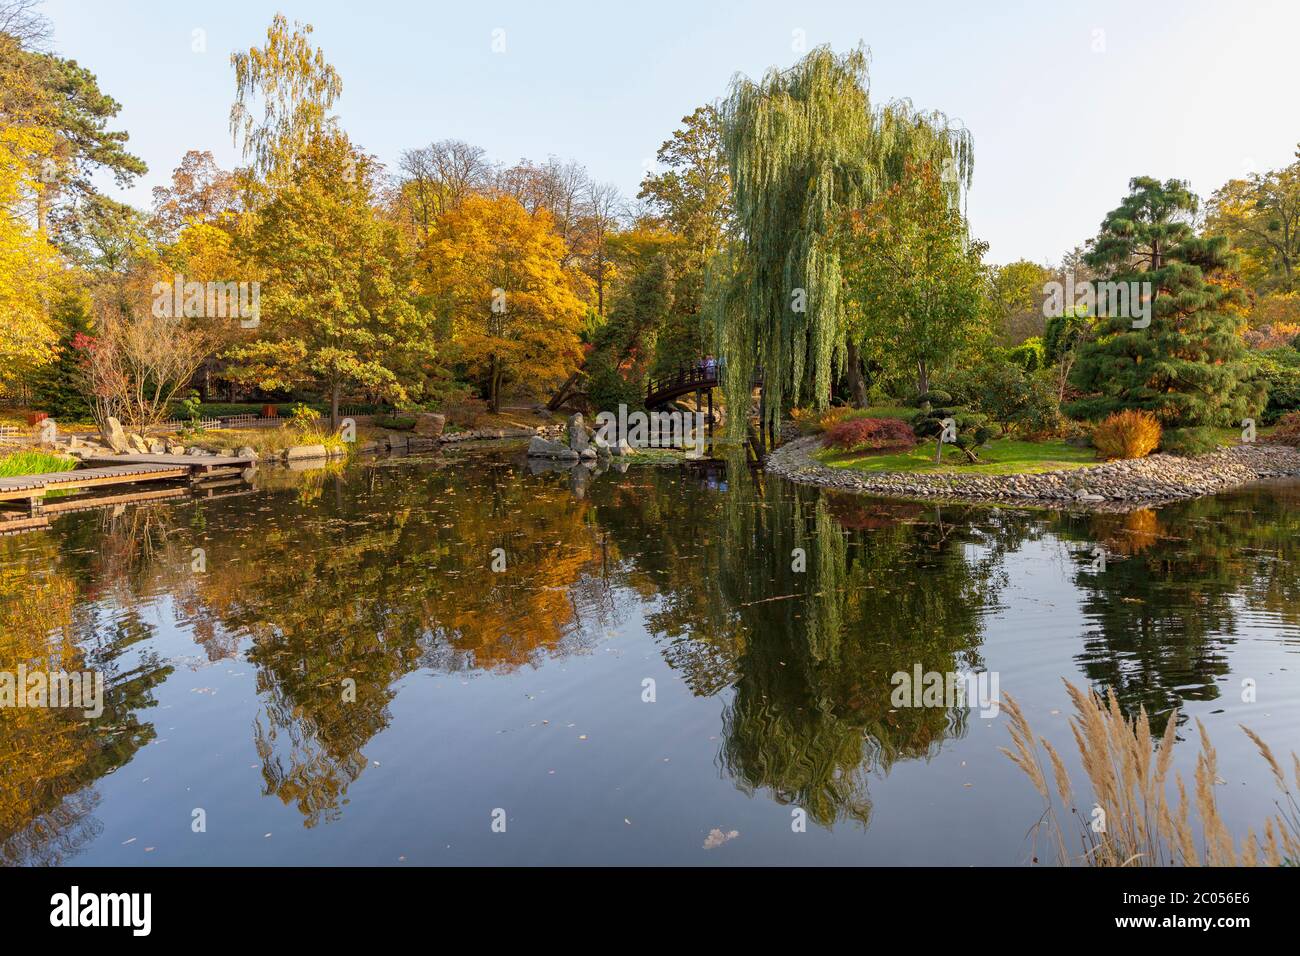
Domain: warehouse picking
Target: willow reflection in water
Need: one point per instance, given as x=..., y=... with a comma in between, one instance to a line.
x=790, y=607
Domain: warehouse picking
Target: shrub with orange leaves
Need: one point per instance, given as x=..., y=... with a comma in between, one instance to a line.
x=810, y=421
x=1127, y=434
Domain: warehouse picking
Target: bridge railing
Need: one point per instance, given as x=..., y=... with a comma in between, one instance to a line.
x=700, y=375
x=703, y=376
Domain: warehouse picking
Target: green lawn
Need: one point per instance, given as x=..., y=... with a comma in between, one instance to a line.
x=1002, y=456
x=887, y=411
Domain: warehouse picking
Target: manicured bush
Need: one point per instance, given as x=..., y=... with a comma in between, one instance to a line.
x=937, y=410
x=1015, y=400
x=1029, y=355
x=401, y=423
x=1189, y=441
x=1127, y=434
x=870, y=434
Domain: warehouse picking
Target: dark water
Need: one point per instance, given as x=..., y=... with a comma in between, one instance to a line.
x=521, y=694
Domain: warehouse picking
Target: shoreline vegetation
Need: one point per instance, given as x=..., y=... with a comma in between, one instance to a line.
x=1128, y=818
x=1121, y=485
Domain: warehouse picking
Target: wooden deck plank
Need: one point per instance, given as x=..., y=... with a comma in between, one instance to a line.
x=188, y=461
x=35, y=486
x=15, y=525
x=61, y=506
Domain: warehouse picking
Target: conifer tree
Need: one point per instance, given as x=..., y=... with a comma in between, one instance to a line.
x=1188, y=365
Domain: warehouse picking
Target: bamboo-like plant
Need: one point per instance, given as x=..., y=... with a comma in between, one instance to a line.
x=1137, y=824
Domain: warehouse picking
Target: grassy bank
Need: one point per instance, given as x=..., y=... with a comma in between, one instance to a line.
x=1002, y=456
x=33, y=463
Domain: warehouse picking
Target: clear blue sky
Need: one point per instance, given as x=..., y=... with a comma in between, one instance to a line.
x=1066, y=101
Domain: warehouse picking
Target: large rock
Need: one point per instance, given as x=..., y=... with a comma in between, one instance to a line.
x=539, y=447
x=305, y=452
x=137, y=444
x=578, y=440
x=114, y=437
x=247, y=451
x=430, y=424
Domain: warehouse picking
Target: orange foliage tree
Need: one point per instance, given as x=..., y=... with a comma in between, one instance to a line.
x=497, y=273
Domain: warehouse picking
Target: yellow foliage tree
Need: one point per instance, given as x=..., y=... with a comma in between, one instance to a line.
x=497, y=273
x=28, y=262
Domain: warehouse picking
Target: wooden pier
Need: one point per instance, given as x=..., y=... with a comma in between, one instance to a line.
x=121, y=470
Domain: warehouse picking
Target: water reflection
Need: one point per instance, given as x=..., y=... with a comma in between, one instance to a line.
x=793, y=606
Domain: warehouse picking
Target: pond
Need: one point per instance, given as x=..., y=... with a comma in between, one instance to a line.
x=475, y=659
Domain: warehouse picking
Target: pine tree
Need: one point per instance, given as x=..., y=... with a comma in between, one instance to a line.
x=1188, y=366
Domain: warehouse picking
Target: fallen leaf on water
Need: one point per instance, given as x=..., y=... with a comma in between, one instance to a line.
x=716, y=838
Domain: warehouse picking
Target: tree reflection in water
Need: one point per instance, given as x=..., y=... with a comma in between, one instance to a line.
x=332, y=580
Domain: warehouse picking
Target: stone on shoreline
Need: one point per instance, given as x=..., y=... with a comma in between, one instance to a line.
x=578, y=440
x=114, y=436
x=1110, y=486
x=539, y=447
x=430, y=424
x=305, y=452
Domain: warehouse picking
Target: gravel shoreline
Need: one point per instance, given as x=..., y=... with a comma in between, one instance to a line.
x=1113, y=486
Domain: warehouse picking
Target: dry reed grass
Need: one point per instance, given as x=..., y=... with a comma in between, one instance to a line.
x=1129, y=773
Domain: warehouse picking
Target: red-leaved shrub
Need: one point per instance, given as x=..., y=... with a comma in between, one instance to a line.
x=870, y=434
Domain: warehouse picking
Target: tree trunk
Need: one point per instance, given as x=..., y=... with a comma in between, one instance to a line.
x=494, y=385
x=558, y=398
x=922, y=377
x=334, y=408
x=857, y=384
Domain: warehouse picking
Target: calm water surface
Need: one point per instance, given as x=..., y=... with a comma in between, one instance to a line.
x=523, y=693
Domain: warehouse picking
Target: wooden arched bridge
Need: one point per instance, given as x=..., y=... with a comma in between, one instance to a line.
x=702, y=378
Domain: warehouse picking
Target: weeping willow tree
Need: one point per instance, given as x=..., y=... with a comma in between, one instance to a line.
x=804, y=146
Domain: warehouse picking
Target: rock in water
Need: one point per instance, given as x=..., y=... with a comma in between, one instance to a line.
x=578, y=440
x=539, y=447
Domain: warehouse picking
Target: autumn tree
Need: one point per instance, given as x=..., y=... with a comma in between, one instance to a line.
x=497, y=273
x=54, y=137
x=691, y=199
x=200, y=191
x=296, y=88
x=693, y=194
x=1015, y=298
x=334, y=311
x=1260, y=215
x=915, y=278
x=435, y=178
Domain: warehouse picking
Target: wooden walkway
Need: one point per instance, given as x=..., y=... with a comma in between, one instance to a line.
x=202, y=463
x=35, y=486
x=120, y=470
